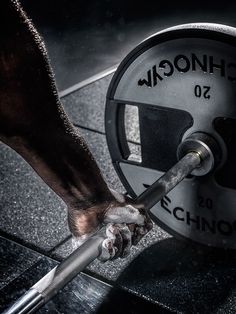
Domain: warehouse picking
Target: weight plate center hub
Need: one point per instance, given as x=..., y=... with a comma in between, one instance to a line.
x=174, y=85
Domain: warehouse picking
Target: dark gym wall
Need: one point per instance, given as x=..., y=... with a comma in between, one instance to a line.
x=87, y=37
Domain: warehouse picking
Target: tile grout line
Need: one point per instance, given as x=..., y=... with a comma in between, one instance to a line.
x=100, y=132
x=88, y=81
x=88, y=129
x=34, y=262
x=30, y=246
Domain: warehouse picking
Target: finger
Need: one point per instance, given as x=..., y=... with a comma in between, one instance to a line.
x=109, y=249
x=148, y=224
x=137, y=231
x=126, y=240
x=138, y=234
x=117, y=244
x=140, y=231
x=113, y=230
x=124, y=214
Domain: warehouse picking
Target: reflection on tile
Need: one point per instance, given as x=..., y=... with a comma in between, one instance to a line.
x=86, y=107
x=83, y=295
x=14, y=260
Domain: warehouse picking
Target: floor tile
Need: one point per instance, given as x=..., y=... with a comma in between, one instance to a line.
x=86, y=107
x=98, y=146
x=14, y=260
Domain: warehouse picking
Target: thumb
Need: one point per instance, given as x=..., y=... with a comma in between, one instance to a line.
x=124, y=214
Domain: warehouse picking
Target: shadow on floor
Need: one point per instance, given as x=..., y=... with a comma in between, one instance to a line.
x=184, y=277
